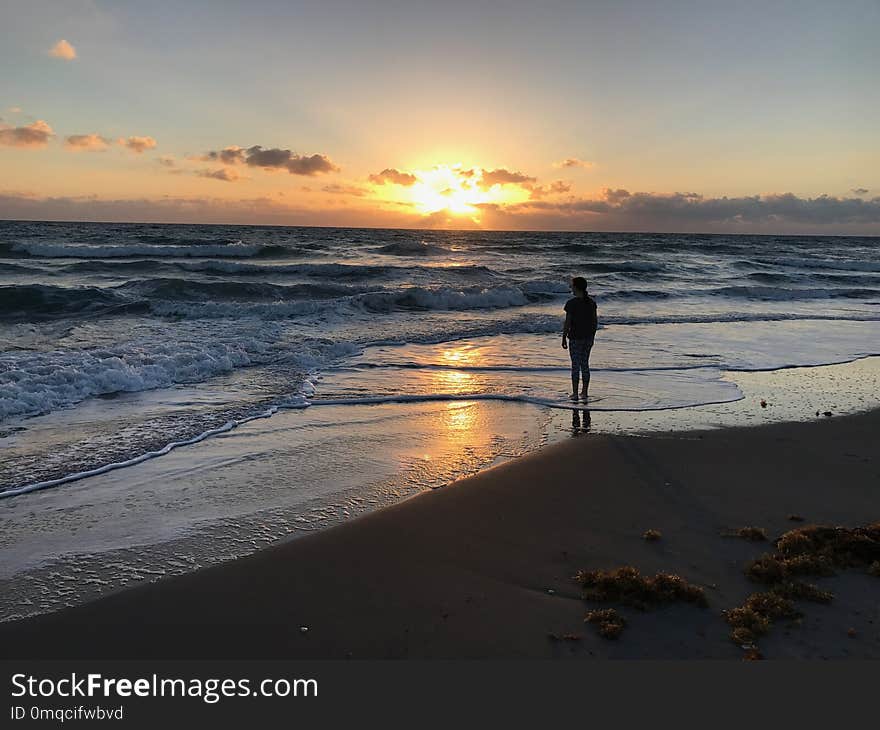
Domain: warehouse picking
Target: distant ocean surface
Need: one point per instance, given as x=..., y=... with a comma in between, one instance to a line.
x=242, y=321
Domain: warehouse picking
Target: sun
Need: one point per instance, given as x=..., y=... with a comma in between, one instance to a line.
x=456, y=191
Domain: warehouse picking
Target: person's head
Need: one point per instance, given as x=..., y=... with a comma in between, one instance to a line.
x=579, y=285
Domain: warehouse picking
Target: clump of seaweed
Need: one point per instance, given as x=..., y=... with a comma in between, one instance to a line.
x=795, y=518
x=796, y=589
x=628, y=586
x=755, y=617
x=811, y=550
x=609, y=622
x=652, y=535
x=752, y=534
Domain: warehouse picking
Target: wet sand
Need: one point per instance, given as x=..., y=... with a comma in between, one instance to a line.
x=484, y=568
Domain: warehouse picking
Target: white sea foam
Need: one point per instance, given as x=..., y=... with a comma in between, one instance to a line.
x=89, y=251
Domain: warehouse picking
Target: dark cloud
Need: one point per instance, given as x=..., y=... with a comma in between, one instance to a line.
x=860, y=191
x=504, y=177
x=86, y=143
x=391, y=175
x=272, y=159
x=228, y=156
x=651, y=211
x=36, y=134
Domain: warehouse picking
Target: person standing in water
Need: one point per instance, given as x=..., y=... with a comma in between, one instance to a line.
x=578, y=334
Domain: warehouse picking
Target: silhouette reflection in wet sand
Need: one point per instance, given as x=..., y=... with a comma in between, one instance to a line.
x=580, y=422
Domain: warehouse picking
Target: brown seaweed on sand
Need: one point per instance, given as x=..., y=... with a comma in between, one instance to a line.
x=753, y=534
x=811, y=550
x=755, y=617
x=608, y=621
x=626, y=585
x=652, y=535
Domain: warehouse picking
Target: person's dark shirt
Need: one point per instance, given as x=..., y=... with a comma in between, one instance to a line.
x=583, y=318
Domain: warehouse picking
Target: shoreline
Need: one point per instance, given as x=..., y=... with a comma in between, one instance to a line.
x=483, y=567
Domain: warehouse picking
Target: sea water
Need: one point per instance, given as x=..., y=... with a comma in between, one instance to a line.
x=212, y=388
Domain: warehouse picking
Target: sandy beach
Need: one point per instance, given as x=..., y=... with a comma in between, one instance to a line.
x=484, y=568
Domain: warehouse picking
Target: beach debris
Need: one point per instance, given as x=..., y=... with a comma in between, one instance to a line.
x=874, y=569
x=811, y=550
x=608, y=621
x=564, y=637
x=828, y=414
x=818, y=550
x=652, y=535
x=304, y=629
x=626, y=585
x=795, y=518
x=752, y=655
x=753, y=534
x=763, y=403
x=852, y=633
x=755, y=617
x=551, y=591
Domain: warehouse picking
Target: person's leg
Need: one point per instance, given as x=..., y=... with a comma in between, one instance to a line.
x=585, y=368
x=574, y=353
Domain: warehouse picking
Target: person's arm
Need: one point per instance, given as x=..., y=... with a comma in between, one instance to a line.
x=566, y=328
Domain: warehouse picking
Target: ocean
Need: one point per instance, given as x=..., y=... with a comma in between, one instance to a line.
x=168, y=383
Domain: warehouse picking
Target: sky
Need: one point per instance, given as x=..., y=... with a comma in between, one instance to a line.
x=624, y=115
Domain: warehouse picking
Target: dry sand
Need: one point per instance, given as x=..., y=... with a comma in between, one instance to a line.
x=484, y=568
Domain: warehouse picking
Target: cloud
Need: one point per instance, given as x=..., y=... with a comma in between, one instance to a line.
x=860, y=191
x=558, y=187
x=276, y=158
x=86, y=143
x=504, y=177
x=37, y=134
x=63, y=50
x=273, y=159
x=690, y=211
x=609, y=211
x=337, y=189
x=138, y=145
x=572, y=162
x=166, y=161
x=226, y=174
x=228, y=156
x=15, y=110
x=392, y=175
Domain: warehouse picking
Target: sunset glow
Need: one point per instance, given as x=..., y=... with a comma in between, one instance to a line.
x=415, y=121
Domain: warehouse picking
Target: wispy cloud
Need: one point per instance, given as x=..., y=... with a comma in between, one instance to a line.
x=226, y=174
x=63, y=50
x=86, y=143
x=572, y=162
x=166, y=161
x=860, y=191
x=392, y=175
x=337, y=189
x=33, y=135
x=138, y=145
